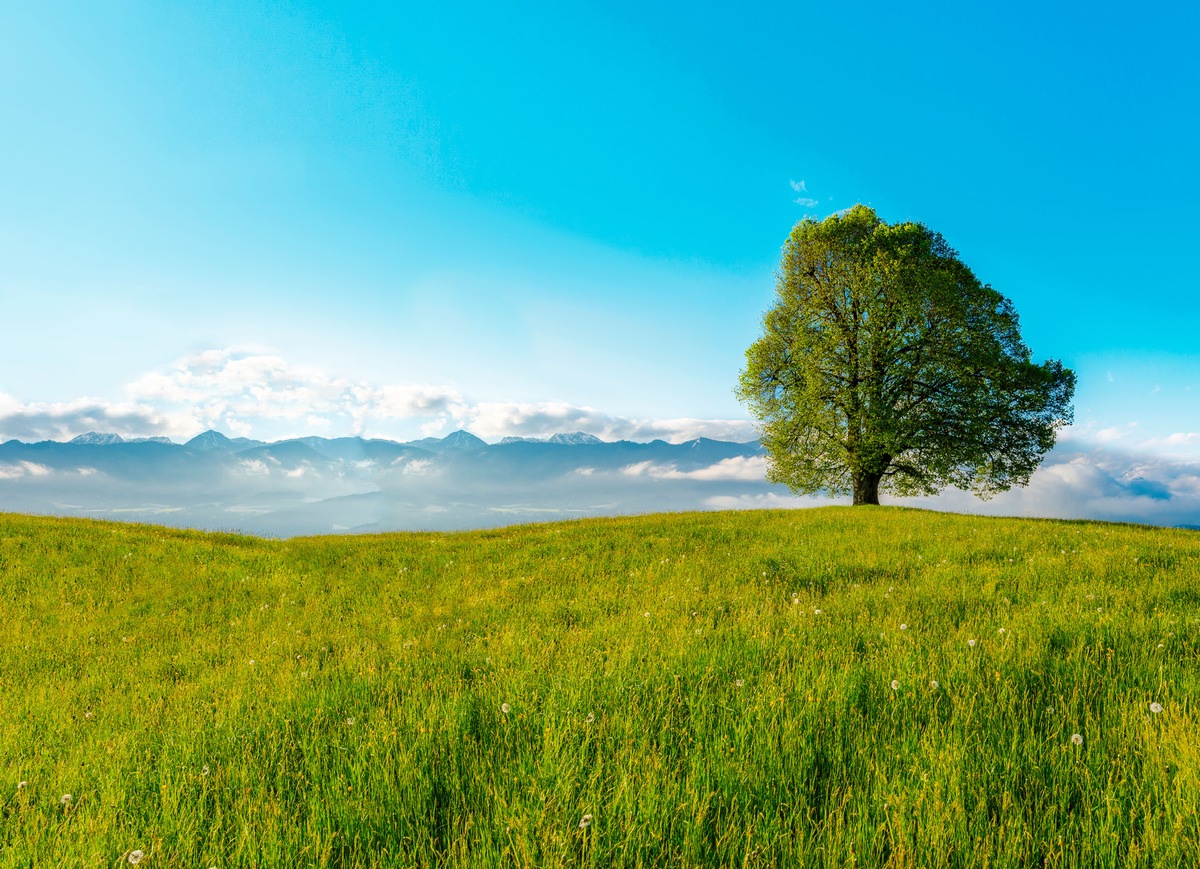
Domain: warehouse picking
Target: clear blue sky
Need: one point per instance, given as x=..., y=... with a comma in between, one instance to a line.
x=395, y=218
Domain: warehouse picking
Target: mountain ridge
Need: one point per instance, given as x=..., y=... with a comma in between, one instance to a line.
x=316, y=485
x=212, y=439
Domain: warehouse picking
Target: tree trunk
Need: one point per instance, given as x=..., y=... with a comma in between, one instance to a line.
x=866, y=488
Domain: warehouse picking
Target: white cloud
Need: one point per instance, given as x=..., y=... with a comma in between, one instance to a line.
x=264, y=396
x=639, y=469
x=750, y=469
x=255, y=467
x=65, y=419
x=1100, y=483
x=23, y=469
x=496, y=419
x=416, y=467
x=801, y=187
x=226, y=389
x=1113, y=433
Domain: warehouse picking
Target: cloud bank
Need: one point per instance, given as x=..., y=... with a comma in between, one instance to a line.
x=264, y=396
x=1109, y=472
x=1093, y=483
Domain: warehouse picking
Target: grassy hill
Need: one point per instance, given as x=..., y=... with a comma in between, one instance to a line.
x=872, y=687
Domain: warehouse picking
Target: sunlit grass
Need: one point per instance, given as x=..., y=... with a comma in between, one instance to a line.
x=878, y=687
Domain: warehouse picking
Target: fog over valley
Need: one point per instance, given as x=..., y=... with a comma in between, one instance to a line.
x=315, y=485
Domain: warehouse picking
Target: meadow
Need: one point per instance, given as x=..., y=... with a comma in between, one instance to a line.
x=830, y=687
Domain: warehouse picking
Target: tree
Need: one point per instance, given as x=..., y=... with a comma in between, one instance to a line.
x=886, y=364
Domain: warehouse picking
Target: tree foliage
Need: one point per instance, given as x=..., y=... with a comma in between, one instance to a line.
x=886, y=364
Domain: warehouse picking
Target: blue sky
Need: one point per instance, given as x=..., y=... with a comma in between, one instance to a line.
x=396, y=219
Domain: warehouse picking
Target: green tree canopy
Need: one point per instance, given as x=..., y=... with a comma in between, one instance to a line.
x=886, y=364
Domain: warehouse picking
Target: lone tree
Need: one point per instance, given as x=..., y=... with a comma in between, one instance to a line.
x=885, y=363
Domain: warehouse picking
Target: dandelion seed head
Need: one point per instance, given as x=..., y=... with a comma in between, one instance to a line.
x=591, y=717
x=816, y=612
x=585, y=822
x=971, y=643
x=21, y=785
x=505, y=708
x=904, y=627
x=1077, y=738
x=1156, y=708
x=65, y=799
x=204, y=769
x=895, y=684
x=135, y=857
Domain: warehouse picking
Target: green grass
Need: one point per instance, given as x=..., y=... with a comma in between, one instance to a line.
x=705, y=689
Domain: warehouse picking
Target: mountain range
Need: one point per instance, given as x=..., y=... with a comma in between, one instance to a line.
x=313, y=485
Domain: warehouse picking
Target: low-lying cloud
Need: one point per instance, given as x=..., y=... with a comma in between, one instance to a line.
x=750, y=469
x=23, y=469
x=1097, y=483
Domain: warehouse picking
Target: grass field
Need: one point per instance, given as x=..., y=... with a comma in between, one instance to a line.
x=832, y=687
